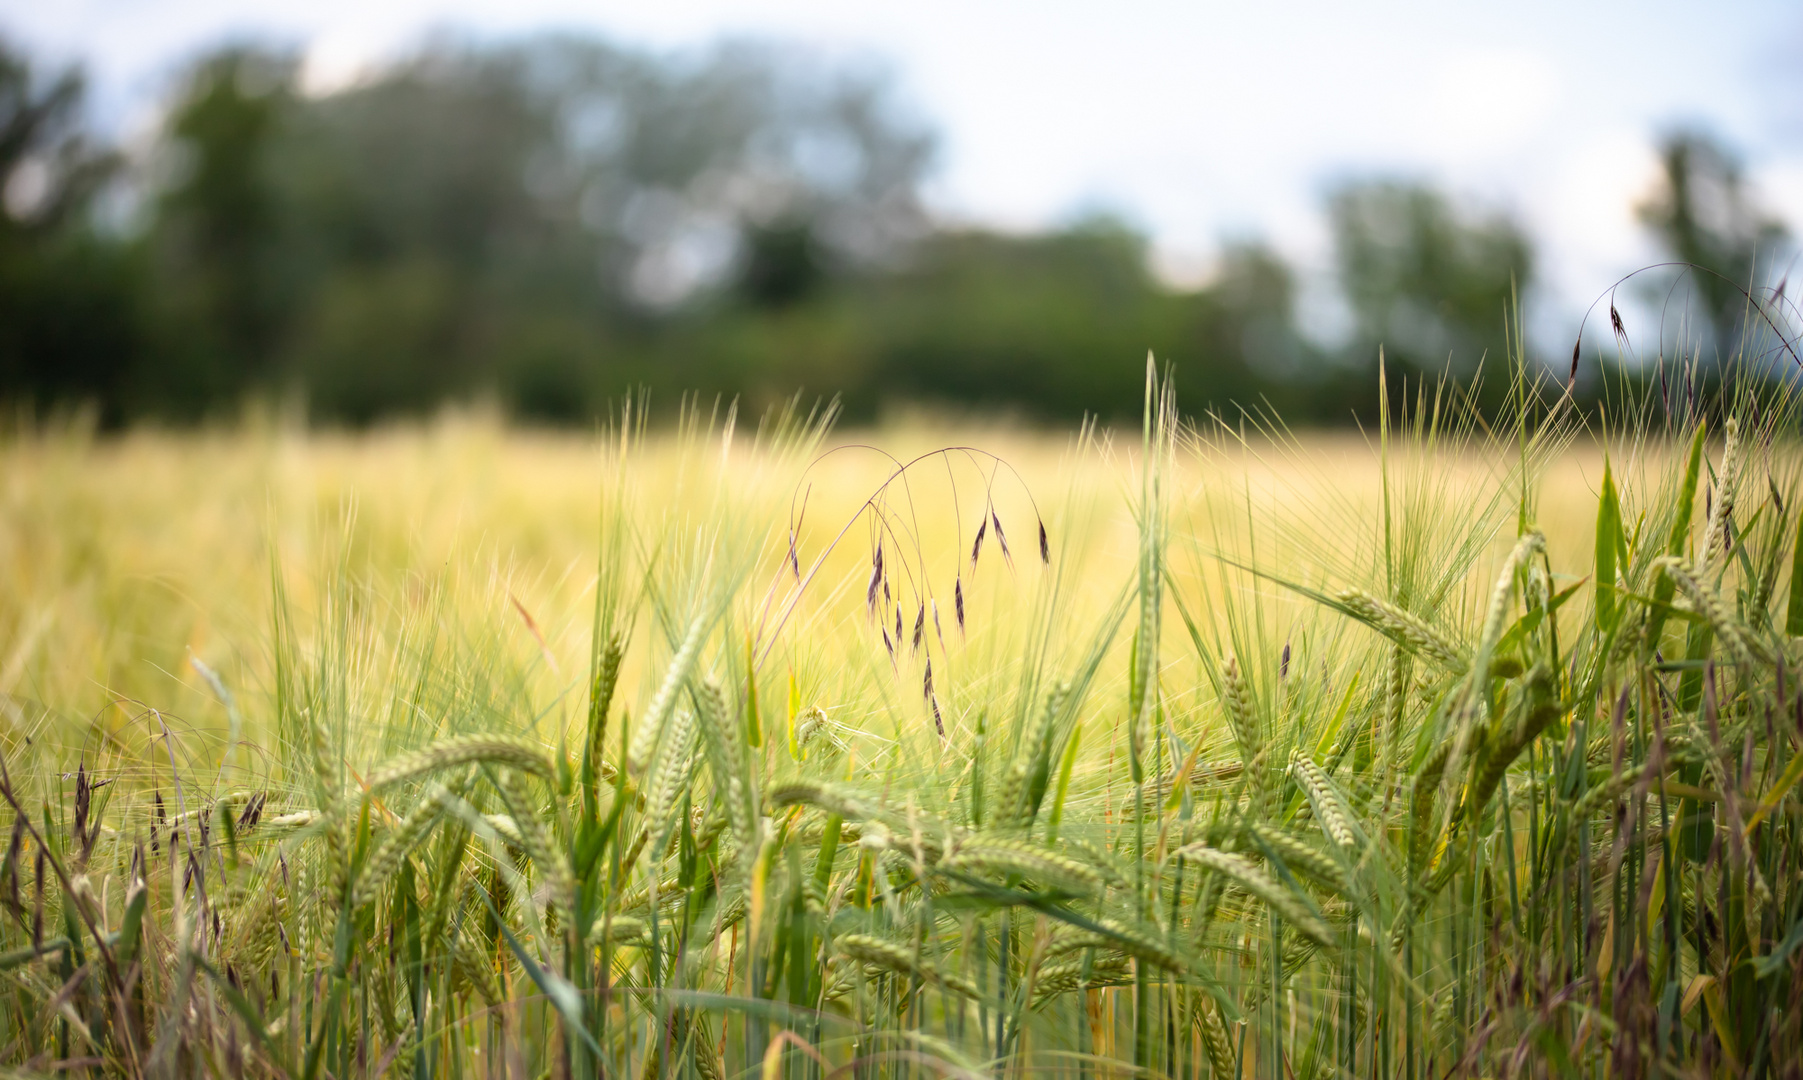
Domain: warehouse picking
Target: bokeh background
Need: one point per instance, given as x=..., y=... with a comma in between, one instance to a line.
x=357, y=210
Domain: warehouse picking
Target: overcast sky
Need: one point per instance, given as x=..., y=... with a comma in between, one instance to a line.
x=1195, y=121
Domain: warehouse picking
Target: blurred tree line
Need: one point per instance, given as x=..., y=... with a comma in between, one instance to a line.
x=557, y=220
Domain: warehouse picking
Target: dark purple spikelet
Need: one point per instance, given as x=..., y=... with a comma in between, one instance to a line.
x=1283, y=665
x=938, y=721
x=920, y=627
x=1572, y=379
x=926, y=683
x=794, y=560
x=1045, y=547
x=888, y=644
x=876, y=578
x=898, y=624
x=938, y=629
x=958, y=602
x=977, y=547
x=81, y=806
x=1002, y=539
x=1615, y=322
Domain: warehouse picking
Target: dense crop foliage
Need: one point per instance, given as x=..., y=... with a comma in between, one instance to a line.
x=1414, y=786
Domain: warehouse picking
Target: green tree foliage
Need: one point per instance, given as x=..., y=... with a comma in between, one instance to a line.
x=67, y=299
x=216, y=239
x=1429, y=282
x=555, y=220
x=1703, y=214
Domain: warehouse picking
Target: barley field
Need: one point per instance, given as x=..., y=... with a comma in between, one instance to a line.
x=747, y=746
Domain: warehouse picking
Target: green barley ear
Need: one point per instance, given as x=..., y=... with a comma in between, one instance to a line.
x=727, y=758
x=1236, y=701
x=502, y=751
x=1743, y=647
x=1279, y=899
x=1663, y=588
x=1062, y=792
x=1727, y=488
x=1330, y=809
x=1408, y=630
x=1156, y=447
x=754, y=728
x=535, y=839
x=1002, y=856
x=1039, y=772
x=1008, y=797
x=413, y=830
x=1793, y=615
x=1421, y=806
x=882, y=955
x=601, y=696
x=675, y=764
x=1215, y=1039
x=1608, y=542
x=651, y=724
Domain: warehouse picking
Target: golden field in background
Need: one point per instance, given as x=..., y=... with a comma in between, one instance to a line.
x=123, y=558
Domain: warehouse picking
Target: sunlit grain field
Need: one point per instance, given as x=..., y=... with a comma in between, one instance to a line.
x=457, y=749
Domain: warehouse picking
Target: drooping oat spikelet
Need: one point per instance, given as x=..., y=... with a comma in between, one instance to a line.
x=412, y=831
x=1329, y=810
x=1742, y=647
x=1001, y=538
x=1405, y=628
x=1280, y=900
x=645, y=736
x=875, y=952
x=1721, y=515
x=876, y=580
x=1004, y=857
x=504, y=751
